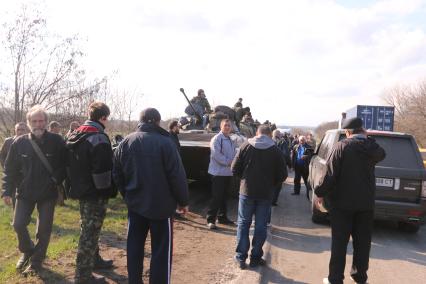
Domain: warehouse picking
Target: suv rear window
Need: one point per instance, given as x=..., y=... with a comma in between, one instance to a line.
x=400, y=151
x=326, y=146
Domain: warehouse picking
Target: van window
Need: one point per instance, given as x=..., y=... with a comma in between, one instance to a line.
x=400, y=152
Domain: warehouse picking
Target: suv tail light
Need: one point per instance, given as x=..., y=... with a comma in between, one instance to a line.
x=424, y=189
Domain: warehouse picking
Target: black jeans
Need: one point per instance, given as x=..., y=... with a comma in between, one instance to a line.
x=161, y=248
x=217, y=207
x=300, y=171
x=23, y=210
x=359, y=225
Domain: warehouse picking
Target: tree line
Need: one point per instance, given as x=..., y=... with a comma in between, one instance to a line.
x=41, y=67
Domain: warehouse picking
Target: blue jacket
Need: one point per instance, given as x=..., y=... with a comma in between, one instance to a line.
x=149, y=173
x=222, y=153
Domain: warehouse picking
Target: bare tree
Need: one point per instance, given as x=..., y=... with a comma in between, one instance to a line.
x=321, y=129
x=410, y=109
x=43, y=69
x=123, y=105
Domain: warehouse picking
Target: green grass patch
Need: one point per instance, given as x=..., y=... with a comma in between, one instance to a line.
x=64, y=239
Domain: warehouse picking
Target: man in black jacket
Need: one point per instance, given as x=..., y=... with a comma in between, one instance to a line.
x=21, y=128
x=261, y=166
x=350, y=185
x=36, y=186
x=149, y=173
x=174, y=131
x=285, y=150
x=90, y=166
x=301, y=156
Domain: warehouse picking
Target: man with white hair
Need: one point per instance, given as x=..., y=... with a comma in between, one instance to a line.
x=301, y=156
x=35, y=166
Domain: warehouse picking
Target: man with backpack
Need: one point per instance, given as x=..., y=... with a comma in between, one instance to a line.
x=90, y=166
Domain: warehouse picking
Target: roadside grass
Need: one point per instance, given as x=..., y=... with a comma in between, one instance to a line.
x=64, y=239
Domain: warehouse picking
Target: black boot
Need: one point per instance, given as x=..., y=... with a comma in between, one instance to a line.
x=32, y=270
x=101, y=263
x=24, y=260
x=92, y=280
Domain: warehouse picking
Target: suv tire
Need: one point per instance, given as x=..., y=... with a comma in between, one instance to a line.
x=408, y=227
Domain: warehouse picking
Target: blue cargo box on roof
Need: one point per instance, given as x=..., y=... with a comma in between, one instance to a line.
x=374, y=117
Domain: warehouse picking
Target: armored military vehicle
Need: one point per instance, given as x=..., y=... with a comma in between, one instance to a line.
x=197, y=129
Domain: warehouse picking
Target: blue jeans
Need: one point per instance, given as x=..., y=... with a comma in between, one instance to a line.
x=248, y=207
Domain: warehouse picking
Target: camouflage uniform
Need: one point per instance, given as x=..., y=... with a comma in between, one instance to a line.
x=92, y=217
x=202, y=101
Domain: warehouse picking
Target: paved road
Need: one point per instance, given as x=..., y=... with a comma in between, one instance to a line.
x=298, y=250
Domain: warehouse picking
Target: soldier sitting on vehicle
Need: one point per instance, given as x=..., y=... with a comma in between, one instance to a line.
x=204, y=105
x=201, y=100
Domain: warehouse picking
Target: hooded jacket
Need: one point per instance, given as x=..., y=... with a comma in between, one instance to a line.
x=350, y=182
x=90, y=163
x=261, y=167
x=149, y=173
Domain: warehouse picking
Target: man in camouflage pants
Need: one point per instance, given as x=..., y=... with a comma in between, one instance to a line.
x=90, y=166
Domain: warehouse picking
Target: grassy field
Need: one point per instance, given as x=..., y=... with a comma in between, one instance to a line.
x=63, y=242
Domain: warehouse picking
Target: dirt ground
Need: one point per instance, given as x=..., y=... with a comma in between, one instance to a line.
x=200, y=255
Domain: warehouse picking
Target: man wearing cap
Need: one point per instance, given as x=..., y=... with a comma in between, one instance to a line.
x=349, y=185
x=149, y=173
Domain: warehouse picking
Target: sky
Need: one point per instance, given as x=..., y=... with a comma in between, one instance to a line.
x=293, y=62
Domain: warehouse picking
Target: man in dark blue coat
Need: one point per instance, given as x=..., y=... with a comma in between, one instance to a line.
x=149, y=173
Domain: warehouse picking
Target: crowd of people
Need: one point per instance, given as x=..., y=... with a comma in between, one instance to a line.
x=146, y=168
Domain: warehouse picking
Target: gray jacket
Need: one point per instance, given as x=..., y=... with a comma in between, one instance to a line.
x=222, y=153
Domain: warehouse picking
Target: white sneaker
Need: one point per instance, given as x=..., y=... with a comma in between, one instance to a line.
x=211, y=226
x=325, y=281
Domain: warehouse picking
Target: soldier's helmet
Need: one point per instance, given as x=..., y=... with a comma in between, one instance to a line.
x=201, y=93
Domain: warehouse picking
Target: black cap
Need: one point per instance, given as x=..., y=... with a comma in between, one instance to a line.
x=352, y=123
x=150, y=115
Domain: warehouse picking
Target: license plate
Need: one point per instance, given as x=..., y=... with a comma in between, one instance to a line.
x=384, y=182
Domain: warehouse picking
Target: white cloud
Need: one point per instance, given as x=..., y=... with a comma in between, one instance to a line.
x=298, y=62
